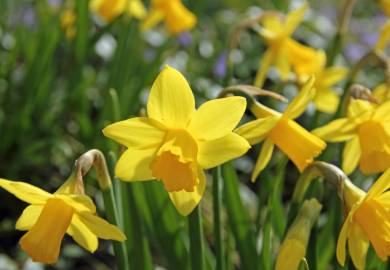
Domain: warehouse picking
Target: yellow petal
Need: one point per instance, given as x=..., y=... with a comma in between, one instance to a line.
x=282, y=62
x=171, y=101
x=82, y=234
x=78, y=202
x=386, y=7
x=108, y=10
x=381, y=185
x=152, y=19
x=25, y=192
x=185, y=201
x=178, y=18
x=382, y=112
x=299, y=103
x=357, y=107
x=134, y=165
x=384, y=37
x=294, y=18
x=333, y=75
x=101, y=228
x=381, y=92
x=136, y=133
x=215, y=152
x=29, y=217
x=217, y=118
x=305, y=60
x=336, y=131
x=257, y=130
x=43, y=241
x=357, y=245
x=272, y=22
x=351, y=155
x=136, y=9
x=265, y=62
x=341, y=242
x=264, y=158
x=326, y=100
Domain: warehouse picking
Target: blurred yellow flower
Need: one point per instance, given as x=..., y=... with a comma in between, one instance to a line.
x=108, y=10
x=50, y=216
x=68, y=20
x=368, y=220
x=382, y=92
x=273, y=127
x=325, y=99
x=283, y=52
x=386, y=7
x=176, y=16
x=176, y=142
x=293, y=248
x=367, y=132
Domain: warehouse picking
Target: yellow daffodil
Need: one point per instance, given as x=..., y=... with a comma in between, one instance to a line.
x=176, y=16
x=293, y=248
x=273, y=127
x=283, y=52
x=50, y=216
x=366, y=130
x=368, y=220
x=176, y=142
x=381, y=93
x=68, y=20
x=108, y=10
x=386, y=7
x=325, y=99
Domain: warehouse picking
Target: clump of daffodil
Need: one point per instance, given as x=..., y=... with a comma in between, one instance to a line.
x=283, y=52
x=108, y=10
x=293, y=249
x=368, y=220
x=50, y=216
x=381, y=93
x=366, y=131
x=176, y=142
x=176, y=16
x=68, y=20
x=325, y=99
x=277, y=128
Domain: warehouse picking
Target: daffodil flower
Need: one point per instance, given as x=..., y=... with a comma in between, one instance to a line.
x=367, y=135
x=381, y=93
x=368, y=220
x=283, y=52
x=325, y=99
x=68, y=20
x=386, y=7
x=108, y=10
x=50, y=216
x=176, y=16
x=277, y=128
x=176, y=142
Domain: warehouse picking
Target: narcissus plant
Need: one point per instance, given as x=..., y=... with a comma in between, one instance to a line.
x=175, y=143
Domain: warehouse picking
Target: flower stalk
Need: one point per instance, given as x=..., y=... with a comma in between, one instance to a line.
x=217, y=207
x=196, y=240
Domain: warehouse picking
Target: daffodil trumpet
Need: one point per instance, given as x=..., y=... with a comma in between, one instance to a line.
x=50, y=216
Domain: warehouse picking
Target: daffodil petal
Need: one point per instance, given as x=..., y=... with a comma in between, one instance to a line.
x=136, y=133
x=78, y=202
x=217, y=118
x=282, y=62
x=264, y=158
x=299, y=103
x=25, y=192
x=357, y=245
x=136, y=9
x=342, y=241
x=101, y=228
x=384, y=37
x=294, y=18
x=171, y=101
x=82, y=234
x=336, y=131
x=265, y=62
x=358, y=107
x=382, y=112
x=351, y=155
x=29, y=217
x=326, y=101
x=333, y=75
x=256, y=131
x=178, y=18
x=381, y=185
x=153, y=18
x=134, y=165
x=185, y=202
x=215, y=152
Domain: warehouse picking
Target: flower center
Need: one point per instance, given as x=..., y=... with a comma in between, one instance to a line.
x=296, y=142
x=175, y=163
x=375, y=146
x=43, y=241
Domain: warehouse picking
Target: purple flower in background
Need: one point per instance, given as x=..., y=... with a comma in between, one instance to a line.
x=220, y=66
x=185, y=39
x=28, y=16
x=54, y=3
x=355, y=51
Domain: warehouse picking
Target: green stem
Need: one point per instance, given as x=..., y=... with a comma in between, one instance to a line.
x=196, y=240
x=217, y=207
